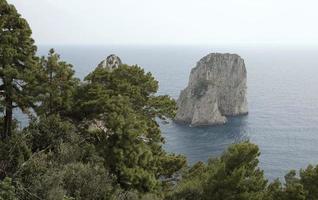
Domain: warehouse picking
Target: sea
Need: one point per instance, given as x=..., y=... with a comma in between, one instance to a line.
x=282, y=93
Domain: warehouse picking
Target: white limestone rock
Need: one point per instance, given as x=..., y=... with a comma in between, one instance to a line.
x=111, y=62
x=216, y=89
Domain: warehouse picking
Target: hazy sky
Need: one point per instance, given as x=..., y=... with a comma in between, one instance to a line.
x=194, y=22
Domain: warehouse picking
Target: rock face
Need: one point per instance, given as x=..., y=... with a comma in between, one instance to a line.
x=216, y=89
x=111, y=62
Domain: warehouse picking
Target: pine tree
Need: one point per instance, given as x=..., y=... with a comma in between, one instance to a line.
x=17, y=63
x=57, y=86
x=293, y=189
x=123, y=107
x=309, y=179
x=236, y=175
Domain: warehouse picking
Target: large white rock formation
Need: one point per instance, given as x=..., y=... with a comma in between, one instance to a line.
x=216, y=89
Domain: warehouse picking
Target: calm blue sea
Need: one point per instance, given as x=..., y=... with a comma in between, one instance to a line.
x=282, y=96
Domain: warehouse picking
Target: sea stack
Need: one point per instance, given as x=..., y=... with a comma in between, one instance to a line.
x=111, y=62
x=216, y=89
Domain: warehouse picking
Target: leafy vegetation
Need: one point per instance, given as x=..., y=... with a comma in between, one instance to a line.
x=17, y=65
x=99, y=138
x=56, y=86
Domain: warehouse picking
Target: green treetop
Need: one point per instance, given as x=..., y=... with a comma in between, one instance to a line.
x=17, y=63
x=122, y=106
x=233, y=176
x=57, y=86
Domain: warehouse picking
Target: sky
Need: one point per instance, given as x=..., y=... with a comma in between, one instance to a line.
x=171, y=22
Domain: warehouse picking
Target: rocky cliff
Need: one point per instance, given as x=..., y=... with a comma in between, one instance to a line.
x=216, y=89
x=111, y=62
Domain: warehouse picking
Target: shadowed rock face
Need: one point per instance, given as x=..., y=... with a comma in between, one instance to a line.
x=111, y=62
x=216, y=89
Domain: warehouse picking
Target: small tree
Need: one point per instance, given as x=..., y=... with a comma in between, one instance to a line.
x=17, y=64
x=57, y=86
x=309, y=179
x=236, y=175
x=291, y=190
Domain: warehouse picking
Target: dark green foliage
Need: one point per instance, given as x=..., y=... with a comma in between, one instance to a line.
x=63, y=165
x=48, y=180
x=56, y=86
x=171, y=163
x=17, y=65
x=131, y=82
x=7, y=190
x=309, y=180
x=120, y=110
x=234, y=175
x=14, y=151
x=138, y=87
x=85, y=181
x=49, y=132
x=275, y=191
x=135, y=195
x=293, y=189
x=191, y=185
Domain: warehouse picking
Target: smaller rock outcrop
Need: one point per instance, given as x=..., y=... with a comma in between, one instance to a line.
x=111, y=62
x=216, y=89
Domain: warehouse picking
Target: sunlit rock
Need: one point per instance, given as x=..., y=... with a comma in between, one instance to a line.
x=216, y=89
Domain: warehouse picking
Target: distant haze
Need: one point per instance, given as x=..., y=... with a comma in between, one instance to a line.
x=190, y=22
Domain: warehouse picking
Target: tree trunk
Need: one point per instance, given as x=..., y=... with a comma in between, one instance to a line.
x=7, y=126
x=8, y=121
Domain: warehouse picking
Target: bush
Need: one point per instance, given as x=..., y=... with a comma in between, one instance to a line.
x=7, y=190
